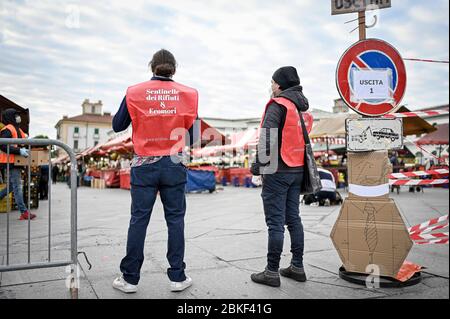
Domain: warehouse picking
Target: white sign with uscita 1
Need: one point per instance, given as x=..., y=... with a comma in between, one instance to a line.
x=371, y=85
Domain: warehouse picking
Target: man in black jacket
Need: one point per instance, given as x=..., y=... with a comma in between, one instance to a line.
x=281, y=182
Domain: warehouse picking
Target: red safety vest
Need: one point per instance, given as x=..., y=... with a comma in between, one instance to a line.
x=161, y=113
x=12, y=129
x=292, y=142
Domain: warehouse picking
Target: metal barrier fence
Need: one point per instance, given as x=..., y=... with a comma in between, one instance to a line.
x=73, y=262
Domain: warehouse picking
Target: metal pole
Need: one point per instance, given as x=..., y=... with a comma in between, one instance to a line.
x=7, y=204
x=29, y=208
x=49, y=196
x=73, y=187
x=40, y=265
x=73, y=208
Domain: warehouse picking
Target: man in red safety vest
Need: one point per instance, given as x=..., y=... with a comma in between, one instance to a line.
x=11, y=119
x=161, y=112
x=280, y=161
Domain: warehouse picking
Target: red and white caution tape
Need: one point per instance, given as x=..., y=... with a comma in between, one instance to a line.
x=417, y=114
x=434, y=241
x=431, y=229
x=442, y=171
x=417, y=182
x=428, y=224
x=417, y=237
x=330, y=140
x=421, y=233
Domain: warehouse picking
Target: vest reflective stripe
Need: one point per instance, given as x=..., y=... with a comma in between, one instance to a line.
x=4, y=156
x=161, y=113
x=292, y=143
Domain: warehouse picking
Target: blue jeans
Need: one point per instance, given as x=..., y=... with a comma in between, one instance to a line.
x=281, y=199
x=170, y=180
x=15, y=187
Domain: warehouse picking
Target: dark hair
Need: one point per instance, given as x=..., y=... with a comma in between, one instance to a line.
x=163, y=63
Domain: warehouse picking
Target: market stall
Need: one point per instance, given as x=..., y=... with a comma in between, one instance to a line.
x=110, y=162
x=437, y=142
x=232, y=159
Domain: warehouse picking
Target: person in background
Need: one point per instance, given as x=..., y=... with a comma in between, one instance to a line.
x=63, y=172
x=55, y=173
x=429, y=162
x=280, y=160
x=246, y=161
x=43, y=182
x=341, y=180
x=327, y=194
x=12, y=119
x=393, y=158
x=344, y=160
x=161, y=112
x=67, y=173
x=395, y=169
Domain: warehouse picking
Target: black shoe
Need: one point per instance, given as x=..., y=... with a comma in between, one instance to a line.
x=293, y=272
x=267, y=277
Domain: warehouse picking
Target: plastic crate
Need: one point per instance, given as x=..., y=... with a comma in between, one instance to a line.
x=3, y=202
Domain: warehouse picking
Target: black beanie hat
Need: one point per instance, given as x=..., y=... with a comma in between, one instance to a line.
x=286, y=77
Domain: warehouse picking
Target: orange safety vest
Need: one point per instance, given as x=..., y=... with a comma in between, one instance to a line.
x=161, y=113
x=12, y=129
x=292, y=143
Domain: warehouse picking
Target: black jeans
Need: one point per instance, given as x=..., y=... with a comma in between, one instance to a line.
x=43, y=188
x=281, y=199
x=170, y=180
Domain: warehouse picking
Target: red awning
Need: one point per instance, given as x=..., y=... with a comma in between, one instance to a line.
x=61, y=159
x=92, y=150
x=118, y=141
x=124, y=144
x=439, y=137
x=209, y=134
x=86, y=152
x=129, y=146
x=239, y=141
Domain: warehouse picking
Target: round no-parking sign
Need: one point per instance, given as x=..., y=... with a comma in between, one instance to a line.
x=371, y=77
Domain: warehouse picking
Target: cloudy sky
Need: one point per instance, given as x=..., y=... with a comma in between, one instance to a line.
x=54, y=54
